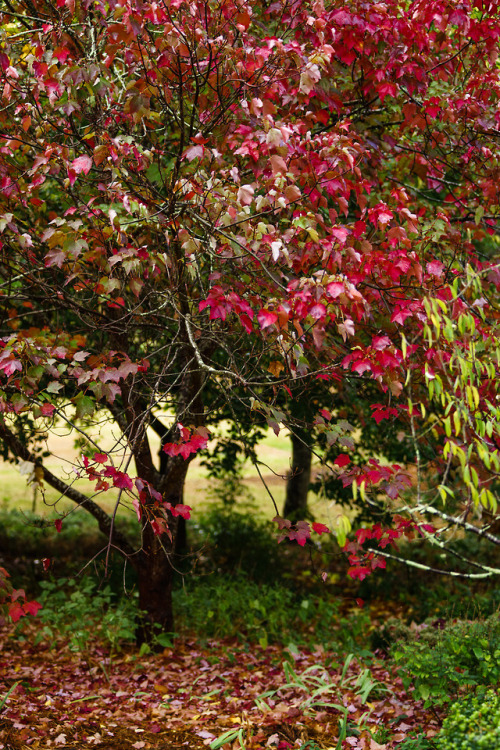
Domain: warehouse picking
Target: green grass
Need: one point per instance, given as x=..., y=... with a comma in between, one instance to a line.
x=274, y=452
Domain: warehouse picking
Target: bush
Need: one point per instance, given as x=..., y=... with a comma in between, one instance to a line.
x=31, y=535
x=472, y=724
x=228, y=607
x=234, y=543
x=438, y=662
x=221, y=606
x=80, y=613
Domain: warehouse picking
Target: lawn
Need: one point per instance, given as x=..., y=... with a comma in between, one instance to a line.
x=200, y=491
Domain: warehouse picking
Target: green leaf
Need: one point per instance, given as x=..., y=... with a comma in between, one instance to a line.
x=228, y=736
x=6, y=696
x=424, y=691
x=85, y=405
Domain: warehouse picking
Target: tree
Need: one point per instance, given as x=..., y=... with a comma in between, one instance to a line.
x=247, y=198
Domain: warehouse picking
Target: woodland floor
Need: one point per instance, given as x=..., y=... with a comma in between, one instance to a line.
x=188, y=696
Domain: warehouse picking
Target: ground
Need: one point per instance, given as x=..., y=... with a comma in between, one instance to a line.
x=187, y=696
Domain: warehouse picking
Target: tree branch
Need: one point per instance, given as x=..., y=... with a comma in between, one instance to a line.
x=105, y=522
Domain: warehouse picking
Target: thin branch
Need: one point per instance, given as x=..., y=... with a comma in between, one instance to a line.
x=453, y=573
x=103, y=519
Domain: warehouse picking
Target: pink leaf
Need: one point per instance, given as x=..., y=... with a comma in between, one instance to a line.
x=362, y=366
x=266, y=318
x=283, y=523
x=278, y=164
x=194, y=152
x=82, y=164
x=18, y=594
x=381, y=342
x=137, y=508
x=435, y=268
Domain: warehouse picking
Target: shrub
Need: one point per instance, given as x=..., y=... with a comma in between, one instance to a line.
x=31, y=535
x=222, y=606
x=438, y=662
x=226, y=607
x=236, y=543
x=81, y=613
x=472, y=724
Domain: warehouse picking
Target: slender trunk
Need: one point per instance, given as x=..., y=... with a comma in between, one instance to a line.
x=299, y=478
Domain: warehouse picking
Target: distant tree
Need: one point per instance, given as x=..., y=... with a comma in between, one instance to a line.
x=247, y=198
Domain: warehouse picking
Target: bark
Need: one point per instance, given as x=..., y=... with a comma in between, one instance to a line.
x=155, y=578
x=299, y=478
x=156, y=563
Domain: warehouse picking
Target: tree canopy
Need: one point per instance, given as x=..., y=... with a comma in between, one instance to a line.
x=221, y=203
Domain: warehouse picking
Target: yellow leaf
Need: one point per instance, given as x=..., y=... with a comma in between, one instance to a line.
x=275, y=368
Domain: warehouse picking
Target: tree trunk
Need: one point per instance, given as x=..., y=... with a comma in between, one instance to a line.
x=299, y=478
x=156, y=565
x=155, y=577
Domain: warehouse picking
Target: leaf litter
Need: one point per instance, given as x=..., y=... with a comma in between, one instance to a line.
x=190, y=695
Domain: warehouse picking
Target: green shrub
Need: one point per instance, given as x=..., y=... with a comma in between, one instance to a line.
x=472, y=724
x=439, y=662
x=31, y=535
x=226, y=607
x=81, y=613
x=233, y=542
x=223, y=606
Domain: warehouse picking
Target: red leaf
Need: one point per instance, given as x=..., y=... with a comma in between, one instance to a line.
x=122, y=481
x=363, y=534
x=16, y=612
x=181, y=510
x=320, y=528
x=81, y=164
x=386, y=89
x=342, y=460
x=359, y=572
x=58, y=524
x=31, y=608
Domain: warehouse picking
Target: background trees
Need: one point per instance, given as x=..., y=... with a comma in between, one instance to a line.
x=238, y=200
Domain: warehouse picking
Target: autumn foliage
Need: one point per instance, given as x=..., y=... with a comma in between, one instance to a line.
x=206, y=203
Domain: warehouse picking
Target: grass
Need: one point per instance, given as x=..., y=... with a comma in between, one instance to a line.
x=274, y=452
